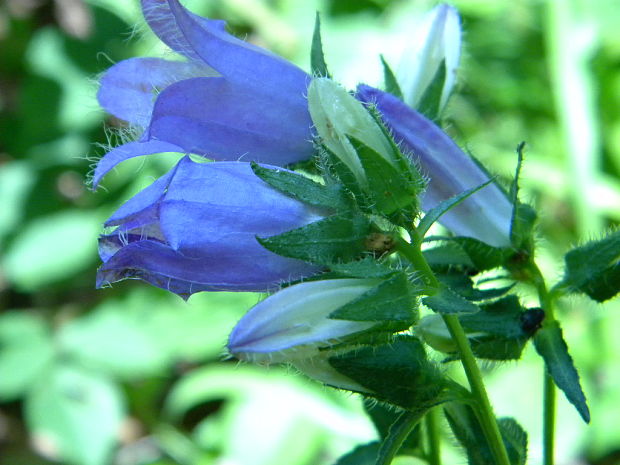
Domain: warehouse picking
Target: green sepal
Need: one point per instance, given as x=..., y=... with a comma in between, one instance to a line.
x=337, y=238
x=464, y=286
x=430, y=102
x=594, y=268
x=446, y=301
x=365, y=454
x=332, y=196
x=389, y=79
x=317, y=58
x=388, y=188
x=393, y=303
x=469, y=433
x=336, y=169
x=523, y=216
x=431, y=216
x=551, y=346
x=398, y=373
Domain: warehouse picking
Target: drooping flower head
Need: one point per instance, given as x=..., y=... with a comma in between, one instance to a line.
x=227, y=99
x=195, y=229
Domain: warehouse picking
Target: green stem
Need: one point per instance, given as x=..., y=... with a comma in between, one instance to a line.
x=413, y=253
x=549, y=420
x=545, y=299
x=485, y=411
x=434, y=441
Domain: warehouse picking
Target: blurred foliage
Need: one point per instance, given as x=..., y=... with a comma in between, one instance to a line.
x=131, y=375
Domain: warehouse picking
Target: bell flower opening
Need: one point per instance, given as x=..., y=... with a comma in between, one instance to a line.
x=195, y=229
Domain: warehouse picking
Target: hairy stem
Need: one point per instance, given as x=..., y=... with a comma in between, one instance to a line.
x=485, y=411
x=413, y=252
x=432, y=431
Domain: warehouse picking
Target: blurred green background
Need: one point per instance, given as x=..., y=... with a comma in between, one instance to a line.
x=131, y=375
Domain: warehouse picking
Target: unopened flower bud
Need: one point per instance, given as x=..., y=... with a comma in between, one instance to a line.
x=337, y=115
x=437, y=42
x=294, y=323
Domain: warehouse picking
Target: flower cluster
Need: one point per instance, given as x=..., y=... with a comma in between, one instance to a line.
x=325, y=200
x=226, y=223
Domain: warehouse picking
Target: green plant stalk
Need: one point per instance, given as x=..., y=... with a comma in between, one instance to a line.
x=485, y=411
x=413, y=253
x=434, y=441
x=545, y=299
x=548, y=419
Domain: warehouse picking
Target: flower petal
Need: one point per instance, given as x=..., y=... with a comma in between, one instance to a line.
x=226, y=205
x=207, y=40
x=128, y=88
x=227, y=121
x=486, y=215
x=130, y=150
x=195, y=229
x=255, y=270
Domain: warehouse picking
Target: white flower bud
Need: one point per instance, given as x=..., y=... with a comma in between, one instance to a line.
x=437, y=39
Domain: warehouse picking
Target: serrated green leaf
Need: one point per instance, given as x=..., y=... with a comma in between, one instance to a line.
x=398, y=372
x=551, y=346
x=365, y=454
x=594, y=268
x=390, y=81
x=436, y=212
x=368, y=267
x=317, y=58
x=483, y=256
x=388, y=189
x=430, y=102
x=304, y=189
x=448, y=256
x=469, y=433
x=463, y=285
x=393, y=301
x=447, y=301
x=337, y=238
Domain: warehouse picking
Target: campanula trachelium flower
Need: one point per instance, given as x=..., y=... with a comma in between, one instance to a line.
x=194, y=229
x=486, y=215
x=228, y=99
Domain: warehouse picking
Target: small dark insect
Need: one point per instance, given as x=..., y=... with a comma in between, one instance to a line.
x=531, y=320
